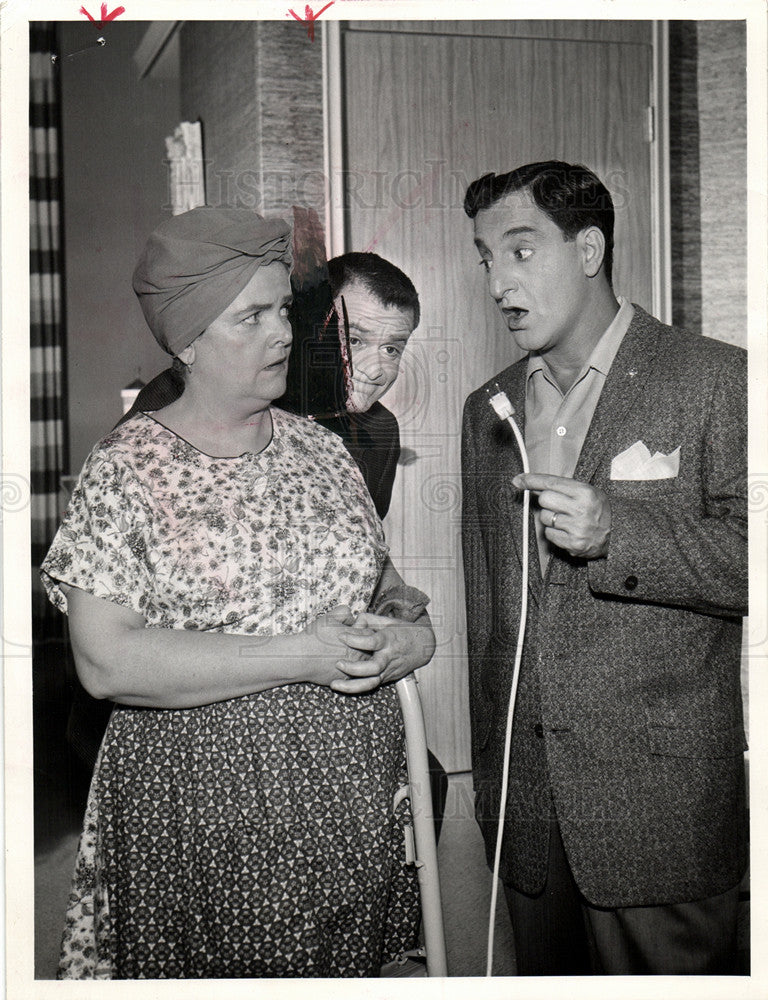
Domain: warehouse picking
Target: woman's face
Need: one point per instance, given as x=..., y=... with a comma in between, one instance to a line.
x=243, y=355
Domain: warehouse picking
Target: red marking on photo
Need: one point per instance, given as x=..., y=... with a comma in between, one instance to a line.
x=309, y=18
x=104, y=15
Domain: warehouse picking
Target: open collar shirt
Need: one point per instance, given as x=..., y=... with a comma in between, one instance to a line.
x=556, y=423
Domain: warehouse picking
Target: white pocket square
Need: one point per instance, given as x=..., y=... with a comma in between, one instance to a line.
x=636, y=462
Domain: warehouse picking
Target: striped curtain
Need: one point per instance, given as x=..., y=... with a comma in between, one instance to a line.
x=46, y=314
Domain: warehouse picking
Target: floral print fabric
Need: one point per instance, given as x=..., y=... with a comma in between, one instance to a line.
x=253, y=837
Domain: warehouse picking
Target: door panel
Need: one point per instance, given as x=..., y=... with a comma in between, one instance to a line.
x=424, y=116
x=596, y=30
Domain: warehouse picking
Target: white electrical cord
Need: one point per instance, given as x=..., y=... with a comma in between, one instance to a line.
x=505, y=411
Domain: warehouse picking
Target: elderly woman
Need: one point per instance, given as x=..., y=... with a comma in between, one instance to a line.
x=212, y=561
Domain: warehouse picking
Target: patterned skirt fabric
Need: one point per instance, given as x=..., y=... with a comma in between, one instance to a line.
x=250, y=838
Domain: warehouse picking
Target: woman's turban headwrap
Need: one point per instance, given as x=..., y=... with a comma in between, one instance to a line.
x=194, y=265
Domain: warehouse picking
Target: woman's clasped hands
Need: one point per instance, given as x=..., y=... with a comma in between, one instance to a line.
x=364, y=651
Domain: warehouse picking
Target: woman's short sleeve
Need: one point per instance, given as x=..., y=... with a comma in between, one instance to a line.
x=102, y=544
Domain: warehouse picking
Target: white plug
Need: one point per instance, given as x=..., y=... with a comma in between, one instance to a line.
x=500, y=402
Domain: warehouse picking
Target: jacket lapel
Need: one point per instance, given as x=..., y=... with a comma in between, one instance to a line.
x=623, y=387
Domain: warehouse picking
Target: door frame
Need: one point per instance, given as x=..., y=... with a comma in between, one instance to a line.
x=333, y=139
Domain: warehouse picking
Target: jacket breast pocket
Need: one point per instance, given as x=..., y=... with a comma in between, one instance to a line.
x=699, y=742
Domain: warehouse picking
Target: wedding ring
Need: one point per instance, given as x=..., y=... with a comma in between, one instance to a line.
x=554, y=518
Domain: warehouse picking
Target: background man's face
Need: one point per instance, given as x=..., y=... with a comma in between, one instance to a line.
x=377, y=338
x=536, y=277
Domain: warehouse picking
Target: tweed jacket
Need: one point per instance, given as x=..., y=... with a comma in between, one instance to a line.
x=629, y=715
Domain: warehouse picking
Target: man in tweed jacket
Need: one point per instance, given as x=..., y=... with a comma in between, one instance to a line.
x=625, y=829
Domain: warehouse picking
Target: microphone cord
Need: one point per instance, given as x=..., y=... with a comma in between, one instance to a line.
x=505, y=411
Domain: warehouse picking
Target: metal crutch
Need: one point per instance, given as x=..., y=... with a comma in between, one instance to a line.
x=425, y=846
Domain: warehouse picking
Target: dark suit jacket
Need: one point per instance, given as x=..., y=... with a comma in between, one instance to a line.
x=629, y=716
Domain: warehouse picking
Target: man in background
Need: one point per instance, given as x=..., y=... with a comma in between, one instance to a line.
x=625, y=827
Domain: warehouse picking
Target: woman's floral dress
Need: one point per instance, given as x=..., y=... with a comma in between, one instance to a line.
x=253, y=837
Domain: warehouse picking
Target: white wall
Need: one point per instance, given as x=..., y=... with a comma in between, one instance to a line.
x=115, y=187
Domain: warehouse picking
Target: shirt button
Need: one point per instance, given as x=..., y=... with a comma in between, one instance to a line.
x=561, y=431
x=630, y=583
x=539, y=730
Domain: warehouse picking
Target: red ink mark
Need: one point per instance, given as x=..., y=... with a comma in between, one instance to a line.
x=310, y=18
x=104, y=15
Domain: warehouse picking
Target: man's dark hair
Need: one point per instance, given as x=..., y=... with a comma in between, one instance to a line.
x=380, y=277
x=571, y=195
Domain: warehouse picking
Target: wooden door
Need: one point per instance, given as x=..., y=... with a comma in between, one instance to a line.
x=426, y=112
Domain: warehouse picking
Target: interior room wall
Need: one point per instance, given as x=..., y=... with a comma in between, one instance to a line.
x=708, y=181
x=115, y=193
x=708, y=154
x=723, y=140
x=257, y=89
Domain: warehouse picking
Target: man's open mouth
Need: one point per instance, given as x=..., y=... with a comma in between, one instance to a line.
x=514, y=315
